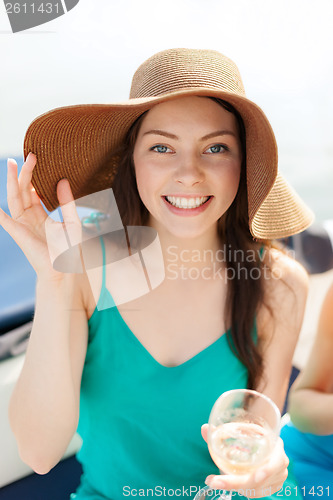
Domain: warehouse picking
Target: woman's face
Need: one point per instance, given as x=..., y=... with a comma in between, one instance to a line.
x=187, y=160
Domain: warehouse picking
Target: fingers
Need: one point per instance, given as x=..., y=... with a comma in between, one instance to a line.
x=270, y=476
x=68, y=208
x=278, y=461
x=34, y=197
x=276, y=470
x=228, y=482
x=14, y=199
x=17, y=231
x=245, y=482
x=19, y=190
x=64, y=193
x=24, y=180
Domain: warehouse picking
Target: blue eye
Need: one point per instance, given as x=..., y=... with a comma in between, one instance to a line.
x=159, y=148
x=217, y=148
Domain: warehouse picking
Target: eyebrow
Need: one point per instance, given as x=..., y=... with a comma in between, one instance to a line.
x=204, y=138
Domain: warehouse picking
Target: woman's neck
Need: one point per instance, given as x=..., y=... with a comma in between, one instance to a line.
x=192, y=258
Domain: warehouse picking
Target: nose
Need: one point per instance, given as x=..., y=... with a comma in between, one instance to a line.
x=189, y=172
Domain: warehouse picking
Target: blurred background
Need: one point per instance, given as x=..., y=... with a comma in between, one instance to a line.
x=283, y=50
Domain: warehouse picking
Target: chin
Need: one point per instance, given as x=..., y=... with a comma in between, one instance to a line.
x=184, y=229
x=187, y=233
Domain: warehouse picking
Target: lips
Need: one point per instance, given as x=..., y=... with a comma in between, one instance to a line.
x=188, y=203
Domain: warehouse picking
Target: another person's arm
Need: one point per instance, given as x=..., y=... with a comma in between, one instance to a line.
x=311, y=397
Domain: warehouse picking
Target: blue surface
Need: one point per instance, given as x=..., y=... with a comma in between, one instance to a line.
x=17, y=283
x=312, y=459
x=17, y=300
x=58, y=484
x=17, y=277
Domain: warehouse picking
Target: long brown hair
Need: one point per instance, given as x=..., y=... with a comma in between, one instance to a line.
x=245, y=292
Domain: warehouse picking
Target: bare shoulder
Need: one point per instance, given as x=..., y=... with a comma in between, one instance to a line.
x=284, y=276
x=286, y=285
x=279, y=319
x=285, y=270
x=325, y=327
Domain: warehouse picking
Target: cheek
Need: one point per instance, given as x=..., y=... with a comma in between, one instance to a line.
x=236, y=179
x=150, y=176
x=229, y=181
x=141, y=179
x=144, y=181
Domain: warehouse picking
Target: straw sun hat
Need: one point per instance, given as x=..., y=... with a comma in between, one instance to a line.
x=77, y=142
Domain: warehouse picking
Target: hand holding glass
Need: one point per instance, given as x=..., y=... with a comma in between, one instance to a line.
x=243, y=428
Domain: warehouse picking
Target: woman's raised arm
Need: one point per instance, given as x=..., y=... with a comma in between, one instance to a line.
x=44, y=407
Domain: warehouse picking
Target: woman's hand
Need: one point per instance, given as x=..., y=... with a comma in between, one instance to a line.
x=29, y=225
x=264, y=481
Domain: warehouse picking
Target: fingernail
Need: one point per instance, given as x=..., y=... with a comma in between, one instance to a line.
x=214, y=483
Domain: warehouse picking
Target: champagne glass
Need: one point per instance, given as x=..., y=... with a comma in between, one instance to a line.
x=243, y=428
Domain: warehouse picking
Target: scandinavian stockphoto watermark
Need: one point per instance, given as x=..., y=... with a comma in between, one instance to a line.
x=224, y=264
x=92, y=239
x=25, y=14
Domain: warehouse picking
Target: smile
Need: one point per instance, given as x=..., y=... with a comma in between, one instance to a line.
x=187, y=203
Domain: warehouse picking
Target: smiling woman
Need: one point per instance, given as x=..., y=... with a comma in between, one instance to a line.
x=189, y=156
x=189, y=165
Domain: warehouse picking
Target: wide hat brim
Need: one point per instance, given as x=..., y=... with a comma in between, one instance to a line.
x=79, y=143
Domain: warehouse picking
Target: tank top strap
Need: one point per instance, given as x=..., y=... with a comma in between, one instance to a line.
x=105, y=301
x=104, y=262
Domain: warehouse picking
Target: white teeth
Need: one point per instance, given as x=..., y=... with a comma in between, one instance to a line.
x=187, y=202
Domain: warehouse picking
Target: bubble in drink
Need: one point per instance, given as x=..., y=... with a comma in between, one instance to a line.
x=239, y=447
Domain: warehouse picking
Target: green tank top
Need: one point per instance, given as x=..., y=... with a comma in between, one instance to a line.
x=139, y=420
